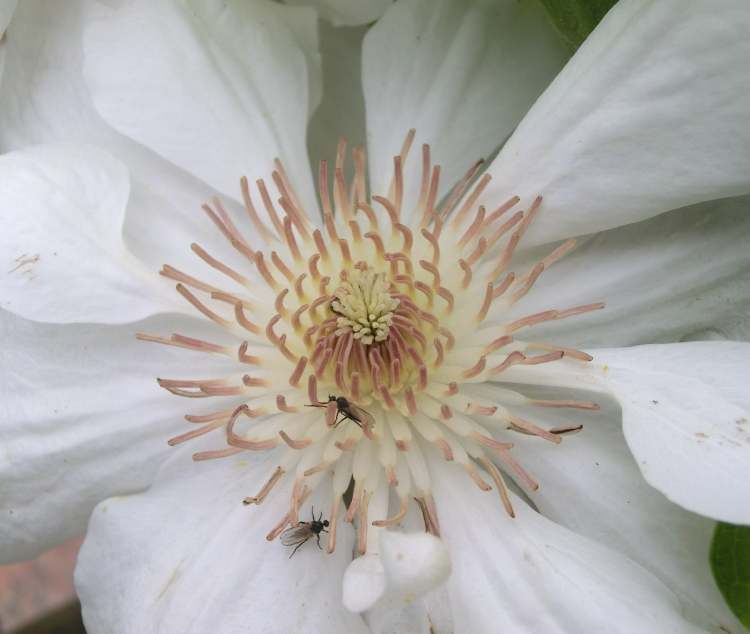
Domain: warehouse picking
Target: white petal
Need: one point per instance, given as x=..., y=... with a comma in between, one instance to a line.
x=684, y=408
x=346, y=12
x=438, y=606
x=342, y=111
x=7, y=7
x=686, y=417
x=62, y=210
x=43, y=98
x=220, y=89
x=412, y=618
x=461, y=73
x=661, y=279
x=38, y=99
x=82, y=419
x=529, y=574
x=706, y=334
x=591, y=484
x=649, y=115
x=187, y=556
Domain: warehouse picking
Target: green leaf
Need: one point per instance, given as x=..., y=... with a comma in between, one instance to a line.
x=730, y=563
x=575, y=19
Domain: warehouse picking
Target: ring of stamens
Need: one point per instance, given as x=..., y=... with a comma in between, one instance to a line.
x=405, y=321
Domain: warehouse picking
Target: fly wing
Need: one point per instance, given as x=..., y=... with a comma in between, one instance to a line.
x=296, y=534
x=363, y=416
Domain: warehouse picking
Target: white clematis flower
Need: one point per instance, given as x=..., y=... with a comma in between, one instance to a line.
x=450, y=307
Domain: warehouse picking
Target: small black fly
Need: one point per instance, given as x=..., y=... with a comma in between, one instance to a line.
x=346, y=410
x=298, y=534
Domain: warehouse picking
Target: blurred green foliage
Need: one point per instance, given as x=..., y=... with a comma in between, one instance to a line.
x=575, y=19
x=730, y=562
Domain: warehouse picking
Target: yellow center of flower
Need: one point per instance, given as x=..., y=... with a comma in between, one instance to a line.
x=365, y=306
x=400, y=319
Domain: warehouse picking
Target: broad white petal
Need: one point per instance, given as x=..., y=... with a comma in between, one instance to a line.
x=410, y=619
x=708, y=334
x=187, y=556
x=221, y=89
x=528, y=574
x=649, y=115
x=686, y=417
x=346, y=12
x=462, y=73
x=661, y=279
x=43, y=98
x=590, y=483
x=7, y=7
x=82, y=418
x=684, y=410
x=62, y=210
x=342, y=111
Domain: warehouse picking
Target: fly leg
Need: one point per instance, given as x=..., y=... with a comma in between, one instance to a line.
x=351, y=418
x=338, y=420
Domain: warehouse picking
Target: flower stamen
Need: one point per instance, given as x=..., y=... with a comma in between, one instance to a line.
x=399, y=323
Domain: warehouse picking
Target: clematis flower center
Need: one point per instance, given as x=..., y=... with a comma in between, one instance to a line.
x=365, y=305
x=404, y=316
